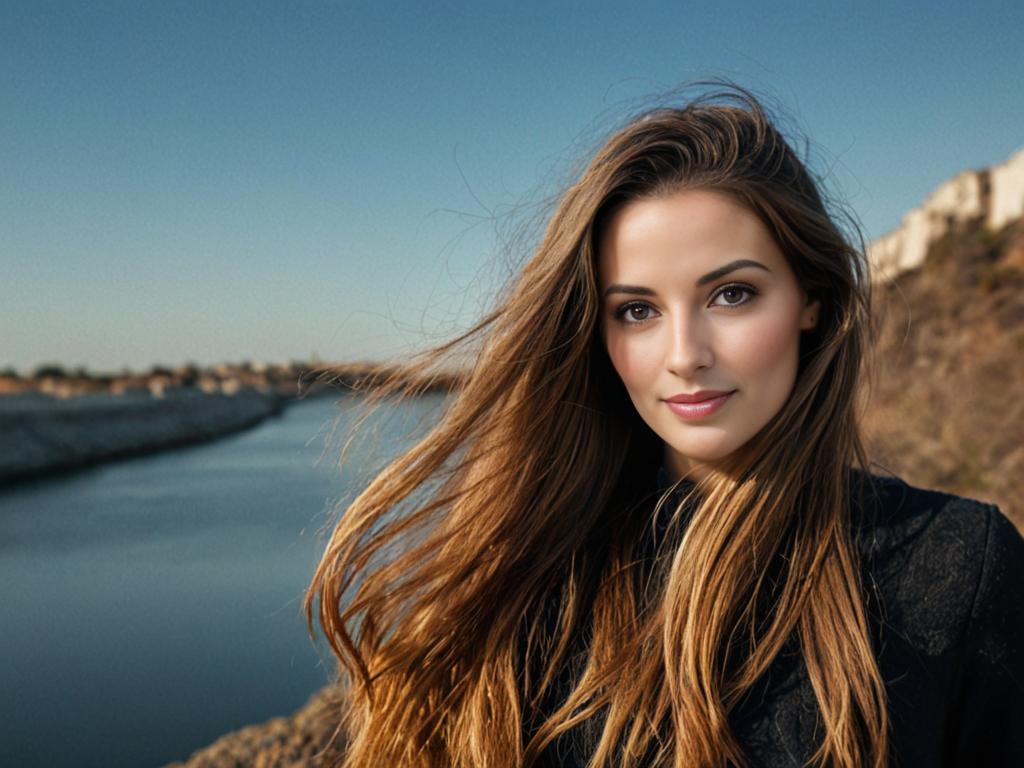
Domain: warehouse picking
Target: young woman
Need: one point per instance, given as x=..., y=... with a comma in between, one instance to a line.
x=643, y=532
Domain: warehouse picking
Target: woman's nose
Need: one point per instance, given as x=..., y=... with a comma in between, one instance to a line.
x=689, y=347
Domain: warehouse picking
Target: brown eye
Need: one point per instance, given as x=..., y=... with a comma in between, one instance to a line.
x=734, y=295
x=635, y=313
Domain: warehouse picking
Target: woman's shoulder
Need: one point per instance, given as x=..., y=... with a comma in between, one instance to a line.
x=944, y=576
x=945, y=567
x=890, y=514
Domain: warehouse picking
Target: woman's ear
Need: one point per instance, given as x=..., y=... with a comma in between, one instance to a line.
x=809, y=314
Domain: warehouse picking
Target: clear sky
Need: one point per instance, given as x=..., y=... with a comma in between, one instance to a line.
x=215, y=181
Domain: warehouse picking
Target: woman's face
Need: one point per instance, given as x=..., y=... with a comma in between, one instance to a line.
x=702, y=316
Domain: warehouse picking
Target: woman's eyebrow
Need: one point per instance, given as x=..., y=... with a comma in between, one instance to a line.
x=732, y=266
x=635, y=290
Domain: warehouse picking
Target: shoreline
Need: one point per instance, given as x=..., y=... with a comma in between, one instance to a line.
x=44, y=437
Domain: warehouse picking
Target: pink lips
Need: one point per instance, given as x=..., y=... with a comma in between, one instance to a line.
x=697, y=405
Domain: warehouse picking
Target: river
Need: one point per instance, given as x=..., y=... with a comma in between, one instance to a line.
x=149, y=606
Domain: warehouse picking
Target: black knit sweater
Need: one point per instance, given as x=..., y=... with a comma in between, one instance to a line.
x=944, y=583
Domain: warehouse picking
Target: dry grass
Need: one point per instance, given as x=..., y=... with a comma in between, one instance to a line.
x=947, y=405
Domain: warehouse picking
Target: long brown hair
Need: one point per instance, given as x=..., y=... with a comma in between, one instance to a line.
x=527, y=493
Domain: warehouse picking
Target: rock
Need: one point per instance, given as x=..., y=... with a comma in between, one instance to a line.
x=991, y=198
x=303, y=740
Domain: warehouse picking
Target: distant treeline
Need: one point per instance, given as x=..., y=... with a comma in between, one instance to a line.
x=293, y=379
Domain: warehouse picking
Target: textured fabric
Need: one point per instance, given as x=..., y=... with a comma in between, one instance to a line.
x=944, y=584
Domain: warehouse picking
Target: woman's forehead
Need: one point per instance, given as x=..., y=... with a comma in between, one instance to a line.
x=682, y=236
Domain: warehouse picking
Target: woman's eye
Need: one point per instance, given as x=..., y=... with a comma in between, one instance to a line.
x=734, y=295
x=635, y=313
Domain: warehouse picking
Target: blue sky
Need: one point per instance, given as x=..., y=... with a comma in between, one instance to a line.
x=269, y=181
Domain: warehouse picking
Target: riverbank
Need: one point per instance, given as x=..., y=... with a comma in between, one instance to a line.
x=41, y=435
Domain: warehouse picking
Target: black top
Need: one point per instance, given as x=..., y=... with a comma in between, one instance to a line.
x=944, y=582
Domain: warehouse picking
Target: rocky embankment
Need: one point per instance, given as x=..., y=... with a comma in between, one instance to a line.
x=300, y=741
x=41, y=435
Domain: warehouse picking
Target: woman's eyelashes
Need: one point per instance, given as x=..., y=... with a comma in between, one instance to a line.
x=733, y=290
x=635, y=312
x=728, y=296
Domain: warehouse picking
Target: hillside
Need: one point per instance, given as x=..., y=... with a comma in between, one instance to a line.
x=946, y=409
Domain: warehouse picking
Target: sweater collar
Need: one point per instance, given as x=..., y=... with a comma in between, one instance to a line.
x=663, y=482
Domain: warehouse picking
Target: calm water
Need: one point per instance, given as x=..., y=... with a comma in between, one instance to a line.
x=149, y=606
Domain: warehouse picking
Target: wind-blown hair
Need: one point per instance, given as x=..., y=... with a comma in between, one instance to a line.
x=531, y=494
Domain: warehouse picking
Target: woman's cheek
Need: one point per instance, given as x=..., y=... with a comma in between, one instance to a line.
x=767, y=351
x=634, y=356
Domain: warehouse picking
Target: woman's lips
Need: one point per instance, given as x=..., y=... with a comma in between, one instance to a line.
x=700, y=409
